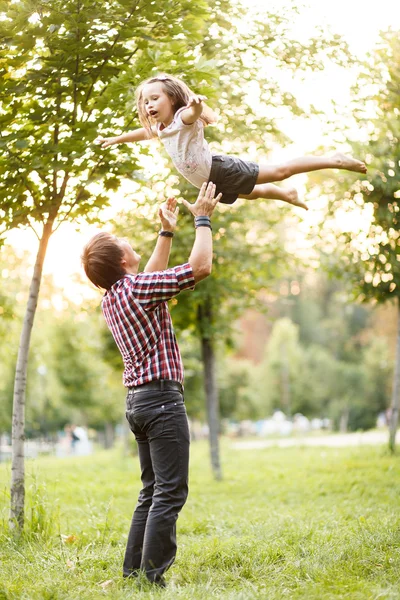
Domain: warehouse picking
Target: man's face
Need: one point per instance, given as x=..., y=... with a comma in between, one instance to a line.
x=130, y=258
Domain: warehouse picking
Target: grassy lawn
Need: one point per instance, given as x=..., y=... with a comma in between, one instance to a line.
x=291, y=523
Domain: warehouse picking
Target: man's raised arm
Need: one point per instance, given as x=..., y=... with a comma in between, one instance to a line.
x=200, y=257
x=168, y=214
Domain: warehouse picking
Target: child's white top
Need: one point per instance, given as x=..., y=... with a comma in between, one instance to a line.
x=188, y=149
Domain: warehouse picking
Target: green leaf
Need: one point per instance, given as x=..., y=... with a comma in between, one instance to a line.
x=21, y=144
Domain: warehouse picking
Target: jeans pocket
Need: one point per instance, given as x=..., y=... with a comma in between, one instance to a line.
x=132, y=423
x=165, y=420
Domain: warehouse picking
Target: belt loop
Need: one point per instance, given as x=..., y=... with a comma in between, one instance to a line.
x=162, y=385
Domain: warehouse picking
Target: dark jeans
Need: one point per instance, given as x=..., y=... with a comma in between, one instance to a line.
x=159, y=422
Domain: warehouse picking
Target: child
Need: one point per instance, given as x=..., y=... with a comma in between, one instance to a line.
x=168, y=109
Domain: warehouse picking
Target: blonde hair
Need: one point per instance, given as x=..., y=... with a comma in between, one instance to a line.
x=178, y=92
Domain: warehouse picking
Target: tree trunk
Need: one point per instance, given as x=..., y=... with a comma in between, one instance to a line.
x=285, y=377
x=108, y=435
x=18, y=418
x=394, y=409
x=344, y=420
x=210, y=385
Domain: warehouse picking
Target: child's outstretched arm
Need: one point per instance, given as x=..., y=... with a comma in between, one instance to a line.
x=137, y=135
x=193, y=109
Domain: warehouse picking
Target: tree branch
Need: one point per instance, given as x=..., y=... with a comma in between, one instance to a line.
x=28, y=187
x=33, y=229
x=77, y=62
x=107, y=58
x=76, y=201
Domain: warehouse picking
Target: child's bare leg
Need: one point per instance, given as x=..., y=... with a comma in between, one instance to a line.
x=305, y=164
x=269, y=191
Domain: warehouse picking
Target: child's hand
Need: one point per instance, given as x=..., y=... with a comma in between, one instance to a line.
x=105, y=142
x=168, y=214
x=195, y=100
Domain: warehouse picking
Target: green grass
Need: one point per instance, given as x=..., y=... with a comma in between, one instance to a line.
x=309, y=523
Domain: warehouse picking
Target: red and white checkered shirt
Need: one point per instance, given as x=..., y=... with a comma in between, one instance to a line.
x=136, y=312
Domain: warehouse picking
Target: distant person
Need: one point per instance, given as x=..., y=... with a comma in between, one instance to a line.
x=81, y=445
x=74, y=437
x=168, y=109
x=135, y=309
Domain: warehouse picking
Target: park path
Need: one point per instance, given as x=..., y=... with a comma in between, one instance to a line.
x=337, y=440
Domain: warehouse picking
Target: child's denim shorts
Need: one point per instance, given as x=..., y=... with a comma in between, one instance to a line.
x=233, y=176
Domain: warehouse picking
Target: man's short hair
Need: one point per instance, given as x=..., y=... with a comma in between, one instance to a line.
x=101, y=259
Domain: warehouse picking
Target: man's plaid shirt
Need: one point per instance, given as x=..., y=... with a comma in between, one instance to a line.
x=137, y=315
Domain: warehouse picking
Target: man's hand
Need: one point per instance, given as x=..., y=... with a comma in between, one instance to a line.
x=205, y=203
x=168, y=214
x=105, y=142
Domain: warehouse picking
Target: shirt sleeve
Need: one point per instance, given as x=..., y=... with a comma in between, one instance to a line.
x=178, y=116
x=180, y=123
x=150, y=289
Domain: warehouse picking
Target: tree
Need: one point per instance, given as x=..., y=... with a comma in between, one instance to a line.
x=369, y=245
x=336, y=365
x=238, y=388
x=378, y=374
x=67, y=70
x=281, y=368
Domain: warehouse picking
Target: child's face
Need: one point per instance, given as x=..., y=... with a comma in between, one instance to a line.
x=157, y=104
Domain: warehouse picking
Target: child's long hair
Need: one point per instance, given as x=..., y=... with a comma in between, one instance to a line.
x=179, y=93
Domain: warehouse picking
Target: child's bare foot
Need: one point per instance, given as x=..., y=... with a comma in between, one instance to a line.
x=270, y=191
x=349, y=163
x=293, y=198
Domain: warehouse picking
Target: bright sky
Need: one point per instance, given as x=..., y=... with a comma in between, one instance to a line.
x=359, y=22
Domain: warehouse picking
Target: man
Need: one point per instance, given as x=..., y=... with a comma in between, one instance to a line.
x=136, y=312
